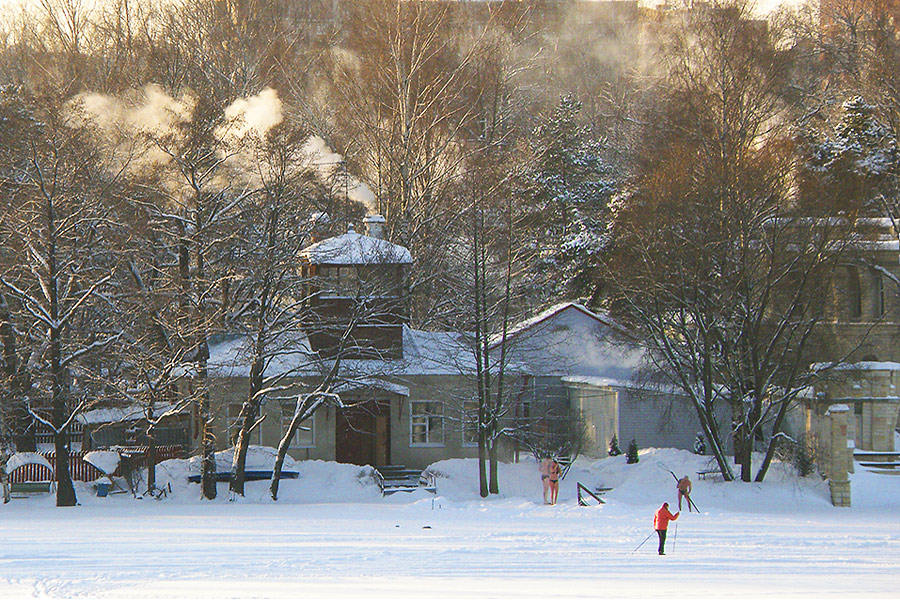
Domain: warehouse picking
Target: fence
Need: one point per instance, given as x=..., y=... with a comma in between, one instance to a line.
x=81, y=470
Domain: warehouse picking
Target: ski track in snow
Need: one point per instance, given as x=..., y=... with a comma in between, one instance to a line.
x=781, y=539
x=332, y=550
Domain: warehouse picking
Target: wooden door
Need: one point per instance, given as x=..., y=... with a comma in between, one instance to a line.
x=362, y=434
x=355, y=437
x=382, y=440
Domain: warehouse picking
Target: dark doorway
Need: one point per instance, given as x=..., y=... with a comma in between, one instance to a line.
x=363, y=434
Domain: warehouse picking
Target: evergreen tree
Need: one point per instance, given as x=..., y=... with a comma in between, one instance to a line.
x=699, y=444
x=569, y=183
x=859, y=160
x=614, y=449
x=631, y=454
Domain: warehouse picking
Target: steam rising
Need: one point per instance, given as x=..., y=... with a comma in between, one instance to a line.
x=151, y=111
x=327, y=161
x=255, y=115
x=152, y=114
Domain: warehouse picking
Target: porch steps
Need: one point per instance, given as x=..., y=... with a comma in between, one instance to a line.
x=397, y=478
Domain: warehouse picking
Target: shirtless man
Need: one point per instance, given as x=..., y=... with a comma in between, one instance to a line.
x=544, y=468
x=684, y=491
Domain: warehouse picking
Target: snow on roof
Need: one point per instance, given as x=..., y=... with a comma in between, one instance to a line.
x=424, y=353
x=20, y=459
x=106, y=461
x=549, y=313
x=566, y=340
x=595, y=381
x=354, y=248
x=436, y=353
x=132, y=412
x=570, y=340
x=866, y=365
x=609, y=382
x=231, y=355
x=369, y=382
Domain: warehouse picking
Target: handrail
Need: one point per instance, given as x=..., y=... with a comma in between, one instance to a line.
x=430, y=481
x=379, y=479
x=581, y=501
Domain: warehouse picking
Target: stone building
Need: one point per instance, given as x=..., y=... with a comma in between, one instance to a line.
x=856, y=396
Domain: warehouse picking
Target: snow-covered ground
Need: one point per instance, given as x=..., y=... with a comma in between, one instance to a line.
x=331, y=535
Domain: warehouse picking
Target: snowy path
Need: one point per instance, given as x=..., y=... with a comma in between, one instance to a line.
x=504, y=548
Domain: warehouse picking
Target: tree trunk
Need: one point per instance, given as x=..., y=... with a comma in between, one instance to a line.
x=4, y=478
x=65, y=491
x=279, y=464
x=5, y=453
x=494, y=484
x=151, y=464
x=249, y=412
x=151, y=451
x=239, y=462
x=207, y=438
x=743, y=444
x=300, y=413
x=482, y=461
x=773, y=441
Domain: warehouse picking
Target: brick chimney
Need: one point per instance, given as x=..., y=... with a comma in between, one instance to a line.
x=375, y=226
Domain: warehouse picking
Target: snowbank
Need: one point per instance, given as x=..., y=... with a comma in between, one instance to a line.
x=639, y=487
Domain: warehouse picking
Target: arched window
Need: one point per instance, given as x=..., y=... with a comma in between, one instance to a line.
x=854, y=294
x=879, y=295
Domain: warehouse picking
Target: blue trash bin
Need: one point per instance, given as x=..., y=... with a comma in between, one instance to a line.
x=102, y=489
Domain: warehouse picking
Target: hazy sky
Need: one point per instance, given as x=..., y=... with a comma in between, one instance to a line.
x=764, y=5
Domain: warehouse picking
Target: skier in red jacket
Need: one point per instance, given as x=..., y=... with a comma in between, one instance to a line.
x=661, y=524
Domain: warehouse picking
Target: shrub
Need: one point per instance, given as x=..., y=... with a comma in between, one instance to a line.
x=631, y=455
x=614, y=449
x=699, y=445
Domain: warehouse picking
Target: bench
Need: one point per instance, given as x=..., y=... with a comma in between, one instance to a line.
x=880, y=465
x=251, y=475
x=23, y=489
x=708, y=473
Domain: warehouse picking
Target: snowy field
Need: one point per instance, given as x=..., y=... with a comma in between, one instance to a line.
x=332, y=536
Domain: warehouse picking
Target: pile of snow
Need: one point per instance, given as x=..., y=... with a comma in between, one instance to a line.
x=318, y=481
x=637, y=487
x=20, y=459
x=647, y=483
x=106, y=461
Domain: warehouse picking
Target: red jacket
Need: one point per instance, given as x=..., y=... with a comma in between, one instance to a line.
x=662, y=517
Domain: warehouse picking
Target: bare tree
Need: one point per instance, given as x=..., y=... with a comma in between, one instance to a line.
x=58, y=225
x=716, y=264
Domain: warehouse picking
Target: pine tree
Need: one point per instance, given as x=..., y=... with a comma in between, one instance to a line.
x=614, y=449
x=569, y=184
x=631, y=455
x=699, y=445
x=804, y=459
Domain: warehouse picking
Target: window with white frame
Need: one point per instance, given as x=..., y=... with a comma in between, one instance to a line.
x=470, y=423
x=305, y=436
x=426, y=423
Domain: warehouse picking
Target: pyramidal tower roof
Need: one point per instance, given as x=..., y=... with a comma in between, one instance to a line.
x=354, y=248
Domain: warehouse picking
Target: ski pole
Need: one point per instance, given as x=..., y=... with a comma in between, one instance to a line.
x=690, y=502
x=642, y=543
x=675, y=537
